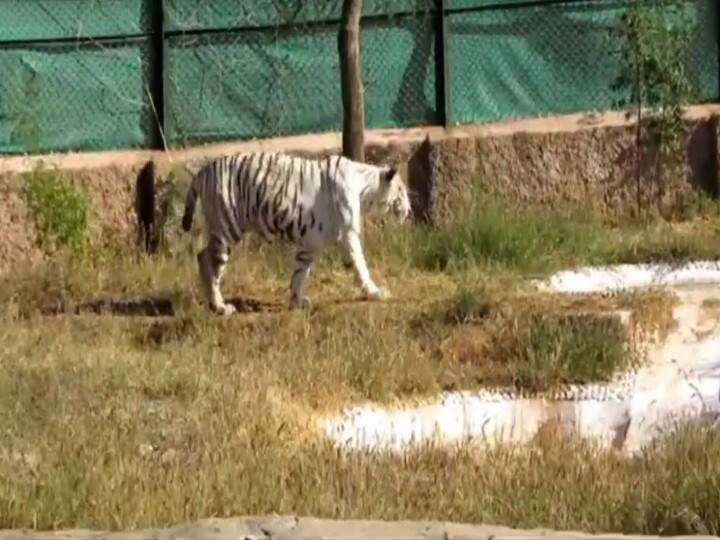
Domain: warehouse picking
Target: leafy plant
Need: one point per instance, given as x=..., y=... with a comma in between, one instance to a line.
x=652, y=41
x=59, y=210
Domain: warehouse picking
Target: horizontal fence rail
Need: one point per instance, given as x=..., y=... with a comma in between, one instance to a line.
x=97, y=75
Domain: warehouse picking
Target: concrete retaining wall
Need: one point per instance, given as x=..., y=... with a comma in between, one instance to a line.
x=307, y=528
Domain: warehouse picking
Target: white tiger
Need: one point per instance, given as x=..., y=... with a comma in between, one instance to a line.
x=311, y=203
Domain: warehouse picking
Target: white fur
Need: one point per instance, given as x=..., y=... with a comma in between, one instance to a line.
x=335, y=193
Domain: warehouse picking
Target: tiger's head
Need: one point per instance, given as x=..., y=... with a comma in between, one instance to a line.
x=393, y=195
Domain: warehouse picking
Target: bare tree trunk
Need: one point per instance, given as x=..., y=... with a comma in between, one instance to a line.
x=351, y=81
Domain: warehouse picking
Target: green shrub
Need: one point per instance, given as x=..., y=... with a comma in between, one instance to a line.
x=58, y=209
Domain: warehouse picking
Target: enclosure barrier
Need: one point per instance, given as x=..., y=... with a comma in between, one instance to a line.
x=283, y=527
x=98, y=75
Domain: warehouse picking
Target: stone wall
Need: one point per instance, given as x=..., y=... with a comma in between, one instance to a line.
x=590, y=169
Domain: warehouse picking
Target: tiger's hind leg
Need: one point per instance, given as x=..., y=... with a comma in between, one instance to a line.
x=212, y=262
x=303, y=262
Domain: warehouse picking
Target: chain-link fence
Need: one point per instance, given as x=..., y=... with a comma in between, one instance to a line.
x=92, y=74
x=275, y=71
x=75, y=74
x=541, y=58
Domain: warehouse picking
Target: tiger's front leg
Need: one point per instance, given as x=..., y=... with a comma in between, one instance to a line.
x=212, y=262
x=353, y=251
x=303, y=262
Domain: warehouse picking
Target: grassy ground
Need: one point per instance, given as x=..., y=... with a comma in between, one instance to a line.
x=123, y=421
x=536, y=241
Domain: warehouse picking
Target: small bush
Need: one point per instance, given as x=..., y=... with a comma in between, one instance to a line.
x=563, y=349
x=531, y=342
x=651, y=42
x=59, y=211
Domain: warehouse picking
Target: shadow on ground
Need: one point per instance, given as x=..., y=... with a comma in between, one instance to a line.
x=149, y=306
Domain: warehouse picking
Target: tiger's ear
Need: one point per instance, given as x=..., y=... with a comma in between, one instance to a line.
x=389, y=174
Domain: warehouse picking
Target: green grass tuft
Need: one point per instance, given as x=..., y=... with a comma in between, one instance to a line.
x=468, y=306
x=499, y=237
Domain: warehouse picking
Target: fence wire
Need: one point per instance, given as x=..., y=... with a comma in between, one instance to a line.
x=554, y=58
x=76, y=75
x=92, y=74
x=276, y=71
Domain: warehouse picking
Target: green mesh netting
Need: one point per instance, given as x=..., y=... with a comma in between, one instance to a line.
x=75, y=74
x=55, y=19
x=260, y=83
x=553, y=58
x=75, y=97
x=260, y=68
x=213, y=14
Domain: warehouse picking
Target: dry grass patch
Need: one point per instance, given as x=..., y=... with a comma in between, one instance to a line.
x=343, y=349
x=122, y=442
x=124, y=421
x=540, y=342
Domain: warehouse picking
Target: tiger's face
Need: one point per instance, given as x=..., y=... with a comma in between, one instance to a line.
x=395, y=199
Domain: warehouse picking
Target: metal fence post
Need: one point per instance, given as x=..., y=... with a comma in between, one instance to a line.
x=442, y=65
x=157, y=75
x=714, y=5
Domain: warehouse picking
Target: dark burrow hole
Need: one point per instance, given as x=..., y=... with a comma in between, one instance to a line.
x=147, y=306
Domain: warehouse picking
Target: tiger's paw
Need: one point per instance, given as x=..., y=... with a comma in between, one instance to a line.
x=225, y=310
x=303, y=303
x=378, y=294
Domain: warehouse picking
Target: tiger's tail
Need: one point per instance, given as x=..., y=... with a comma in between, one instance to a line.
x=191, y=200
